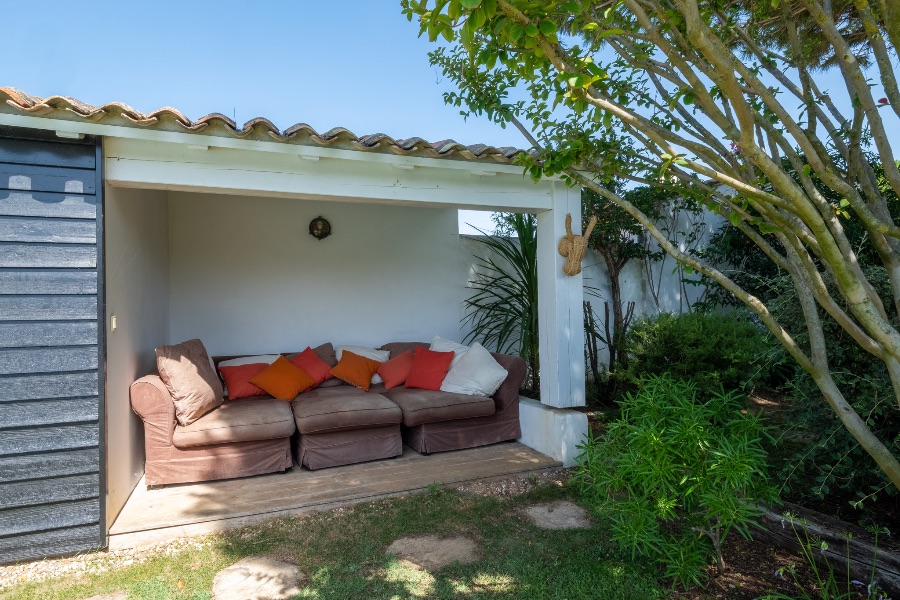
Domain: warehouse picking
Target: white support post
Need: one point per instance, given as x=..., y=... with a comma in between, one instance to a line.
x=546, y=425
x=560, y=304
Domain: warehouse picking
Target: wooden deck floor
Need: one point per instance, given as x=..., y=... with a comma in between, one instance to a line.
x=153, y=516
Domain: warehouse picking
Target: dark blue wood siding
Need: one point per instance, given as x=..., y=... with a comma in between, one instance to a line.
x=51, y=346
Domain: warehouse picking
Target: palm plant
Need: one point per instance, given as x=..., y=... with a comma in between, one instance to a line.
x=503, y=308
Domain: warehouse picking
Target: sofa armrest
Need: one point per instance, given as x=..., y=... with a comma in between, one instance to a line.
x=508, y=392
x=151, y=400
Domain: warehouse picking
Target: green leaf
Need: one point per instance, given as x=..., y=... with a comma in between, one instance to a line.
x=489, y=7
x=531, y=30
x=680, y=162
x=548, y=27
x=590, y=27
x=609, y=32
x=477, y=18
x=807, y=170
x=454, y=11
x=470, y=4
x=735, y=218
x=572, y=7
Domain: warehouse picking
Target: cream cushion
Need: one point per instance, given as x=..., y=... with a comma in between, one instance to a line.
x=439, y=344
x=476, y=373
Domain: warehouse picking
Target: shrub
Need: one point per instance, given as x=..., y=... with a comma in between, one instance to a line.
x=715, y=350
x=822, y=461
x=677, y=475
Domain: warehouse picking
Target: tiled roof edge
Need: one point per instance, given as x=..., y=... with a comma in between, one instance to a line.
x=14, y=101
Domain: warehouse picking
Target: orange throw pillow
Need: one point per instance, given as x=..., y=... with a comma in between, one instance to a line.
x=314, y=366
x=428, y=369
x=395, y=371
x=283, y=380
x=237, y=380
x=356, y=370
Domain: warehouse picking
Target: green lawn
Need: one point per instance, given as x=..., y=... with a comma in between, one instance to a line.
x=343, y=554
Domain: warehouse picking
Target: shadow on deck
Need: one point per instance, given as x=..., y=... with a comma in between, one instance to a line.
x=159, y=515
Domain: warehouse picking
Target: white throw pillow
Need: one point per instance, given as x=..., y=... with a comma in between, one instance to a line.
x=379, y=355
x=477, y=373
x=439, y=344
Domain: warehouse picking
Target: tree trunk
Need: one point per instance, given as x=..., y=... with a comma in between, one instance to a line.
x=616, y=336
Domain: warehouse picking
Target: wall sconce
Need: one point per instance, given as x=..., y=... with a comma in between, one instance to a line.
x=319, y=228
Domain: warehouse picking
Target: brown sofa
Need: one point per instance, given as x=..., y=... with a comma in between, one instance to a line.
x=335, y=424
x=237, y=439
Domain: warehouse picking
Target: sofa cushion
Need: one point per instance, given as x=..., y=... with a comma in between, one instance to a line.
x=342, y=409
x=428, y=369
x=283, y=379
x=397, y=348
x=189, y=375
x=477, y=374
x=371, y=353
x=312, y=364
x=262, y=419
x=356, y=370
x=429, y=406
x=395, y=371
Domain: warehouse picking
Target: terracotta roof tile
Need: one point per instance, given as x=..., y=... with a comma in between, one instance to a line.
x=14, y=101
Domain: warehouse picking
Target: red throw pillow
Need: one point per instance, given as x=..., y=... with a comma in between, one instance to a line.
x=395, y=371
x=428, y=369
x=237, y=380
x=313, y=365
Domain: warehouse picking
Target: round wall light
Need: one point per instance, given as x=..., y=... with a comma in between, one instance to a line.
x=319, y=228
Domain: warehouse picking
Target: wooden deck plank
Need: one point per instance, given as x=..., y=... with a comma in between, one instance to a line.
x=155, y=515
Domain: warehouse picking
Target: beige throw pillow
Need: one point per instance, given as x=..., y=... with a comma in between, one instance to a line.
x=188, y=374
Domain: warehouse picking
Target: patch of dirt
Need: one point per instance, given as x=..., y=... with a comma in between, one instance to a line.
x=518, y=484
x=752, y=569
x=432, y=553
x=558, y=515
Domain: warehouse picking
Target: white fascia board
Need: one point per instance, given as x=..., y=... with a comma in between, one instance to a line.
x=195, y=139
x=155, y=165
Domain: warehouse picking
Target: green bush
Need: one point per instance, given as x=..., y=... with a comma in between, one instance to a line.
x=821, y=460
x=677, y=475
x=714, y=350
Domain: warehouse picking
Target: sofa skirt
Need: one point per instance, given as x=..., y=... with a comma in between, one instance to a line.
x=443, y=436
x=332, y=449
x=218, y=461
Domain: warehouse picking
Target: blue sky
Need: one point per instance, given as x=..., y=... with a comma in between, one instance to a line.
x=356, y=64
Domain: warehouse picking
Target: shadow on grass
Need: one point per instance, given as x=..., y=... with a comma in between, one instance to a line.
x=343, y=554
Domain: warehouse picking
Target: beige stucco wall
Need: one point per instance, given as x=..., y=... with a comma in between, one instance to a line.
x=137, y=293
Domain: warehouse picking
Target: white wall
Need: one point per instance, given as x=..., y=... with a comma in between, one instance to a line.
x=137, y=293
x=246, y=276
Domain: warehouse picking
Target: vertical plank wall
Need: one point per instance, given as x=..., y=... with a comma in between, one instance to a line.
x=51, y=378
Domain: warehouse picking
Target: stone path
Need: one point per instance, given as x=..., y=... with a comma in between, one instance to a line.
x=558, y=515
x=257, y=578
x=432, y=553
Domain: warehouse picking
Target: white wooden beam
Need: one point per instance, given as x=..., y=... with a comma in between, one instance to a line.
x=155, y=165
x=561, y=326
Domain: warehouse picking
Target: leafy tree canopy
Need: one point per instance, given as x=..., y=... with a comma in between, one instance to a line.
x=718, y=101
